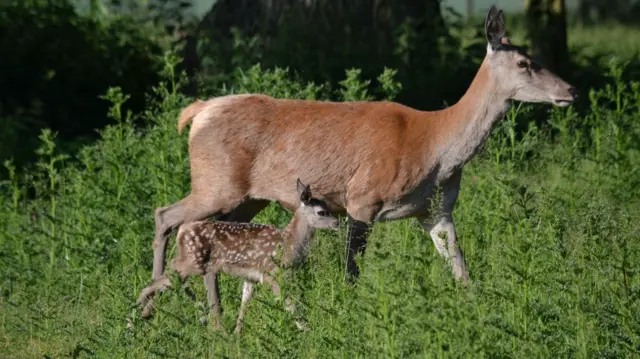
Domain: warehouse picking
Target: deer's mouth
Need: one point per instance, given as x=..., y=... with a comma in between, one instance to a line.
x=562, y=102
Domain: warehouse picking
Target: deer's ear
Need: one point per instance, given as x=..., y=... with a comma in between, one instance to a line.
x=494, y=27
x=303, y=191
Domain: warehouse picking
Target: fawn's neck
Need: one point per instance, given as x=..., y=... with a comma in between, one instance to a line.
x=297, y=237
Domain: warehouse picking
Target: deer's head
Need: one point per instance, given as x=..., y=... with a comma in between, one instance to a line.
x=516, y=74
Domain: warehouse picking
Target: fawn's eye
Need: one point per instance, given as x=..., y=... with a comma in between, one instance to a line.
x=321, y=213
x=522, y=64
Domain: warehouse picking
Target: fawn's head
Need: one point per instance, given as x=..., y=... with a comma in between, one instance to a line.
x=313, y=210
x=516, y=73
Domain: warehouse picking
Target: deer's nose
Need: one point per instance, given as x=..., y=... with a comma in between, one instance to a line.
x=574, y=92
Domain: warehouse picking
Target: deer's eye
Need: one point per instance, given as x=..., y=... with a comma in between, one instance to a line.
x=522, y=64
x=321, y=213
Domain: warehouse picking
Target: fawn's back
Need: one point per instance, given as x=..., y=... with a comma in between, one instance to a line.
x=226, y=246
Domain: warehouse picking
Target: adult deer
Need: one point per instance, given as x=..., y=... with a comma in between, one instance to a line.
x=376, y=161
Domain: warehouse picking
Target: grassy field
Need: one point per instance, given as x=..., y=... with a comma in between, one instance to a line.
x=547, y=219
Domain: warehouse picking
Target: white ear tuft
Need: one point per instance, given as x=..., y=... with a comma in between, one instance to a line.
x=490, y=49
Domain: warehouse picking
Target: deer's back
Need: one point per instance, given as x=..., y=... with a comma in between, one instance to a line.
x=263, y=144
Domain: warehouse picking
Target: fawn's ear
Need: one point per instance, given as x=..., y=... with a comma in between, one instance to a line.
x=303, y=191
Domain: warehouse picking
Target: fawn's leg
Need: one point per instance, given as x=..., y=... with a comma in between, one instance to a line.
x=289, y=306
x=247, y=292
x=242, y=213
x=213, y=298
x=275, y=288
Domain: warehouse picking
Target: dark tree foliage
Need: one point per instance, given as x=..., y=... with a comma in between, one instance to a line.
x=319, y=39
x=597, y=11
x=547, y=31
x=55, y=66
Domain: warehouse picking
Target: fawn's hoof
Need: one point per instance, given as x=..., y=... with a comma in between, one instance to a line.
x=302, y=325
x=462, y=277
x=214, y=322
x=217, y=327
x=238, y=330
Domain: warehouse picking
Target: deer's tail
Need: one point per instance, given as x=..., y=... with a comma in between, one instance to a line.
x=189, y=113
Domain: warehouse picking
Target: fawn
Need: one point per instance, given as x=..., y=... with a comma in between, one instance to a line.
x=245, y=250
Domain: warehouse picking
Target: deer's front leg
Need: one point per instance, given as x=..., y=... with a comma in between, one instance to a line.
x=360, y=213
x=357, y=233
x=442, y=231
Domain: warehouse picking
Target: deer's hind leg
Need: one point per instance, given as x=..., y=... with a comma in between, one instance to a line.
x=185, y=264
x=159, y=285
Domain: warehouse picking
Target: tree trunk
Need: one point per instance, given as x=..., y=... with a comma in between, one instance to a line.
x=547, y=32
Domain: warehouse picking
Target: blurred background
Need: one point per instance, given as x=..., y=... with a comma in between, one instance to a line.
x=61, y=56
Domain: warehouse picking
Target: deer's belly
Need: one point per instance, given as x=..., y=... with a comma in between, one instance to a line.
x=398, y=211
x=412, y=204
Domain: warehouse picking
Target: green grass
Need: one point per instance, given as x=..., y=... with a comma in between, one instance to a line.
x=547, y=220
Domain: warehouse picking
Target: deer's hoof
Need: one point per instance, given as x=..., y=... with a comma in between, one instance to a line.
x=148, y=309
x=146, y=295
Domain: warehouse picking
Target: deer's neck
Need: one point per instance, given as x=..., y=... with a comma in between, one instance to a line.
x=465, y=126
x=298, y=236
